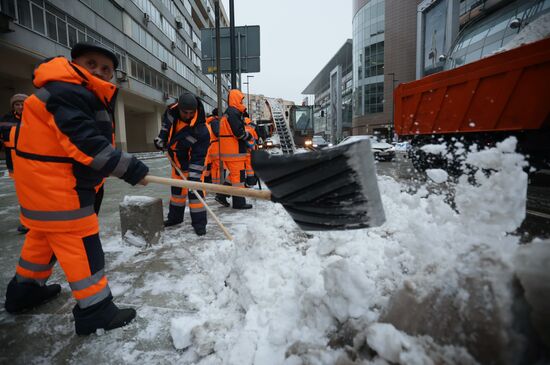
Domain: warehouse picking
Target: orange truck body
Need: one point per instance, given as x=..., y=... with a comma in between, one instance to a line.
x=506, y=92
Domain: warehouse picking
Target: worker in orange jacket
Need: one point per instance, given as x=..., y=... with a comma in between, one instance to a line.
x=212, y=174
x=63, y=152
x=250, y=127
x=8, y=126
x=184, y=135
x=234, y=143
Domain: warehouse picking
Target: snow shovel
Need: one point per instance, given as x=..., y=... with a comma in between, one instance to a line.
x=330, y=189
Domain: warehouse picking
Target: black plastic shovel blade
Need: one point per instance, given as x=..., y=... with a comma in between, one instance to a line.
x=331, y=189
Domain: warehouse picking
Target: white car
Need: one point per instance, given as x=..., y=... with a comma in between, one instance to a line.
x=382, y=151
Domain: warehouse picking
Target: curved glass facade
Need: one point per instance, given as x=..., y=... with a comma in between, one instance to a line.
x=488, y=35
x=368, y=59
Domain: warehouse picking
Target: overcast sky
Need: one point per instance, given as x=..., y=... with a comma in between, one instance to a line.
x=298, y=38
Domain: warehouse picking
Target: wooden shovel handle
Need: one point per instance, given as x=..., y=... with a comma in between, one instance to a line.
x=212, y=188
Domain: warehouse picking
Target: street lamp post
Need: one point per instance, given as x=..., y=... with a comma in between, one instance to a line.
x=393, y=81
x=248, y=91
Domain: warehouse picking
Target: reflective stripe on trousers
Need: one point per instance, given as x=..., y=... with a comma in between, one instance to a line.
x=80, y=256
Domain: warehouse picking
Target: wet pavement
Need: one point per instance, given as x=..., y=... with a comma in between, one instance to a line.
x=46, y=334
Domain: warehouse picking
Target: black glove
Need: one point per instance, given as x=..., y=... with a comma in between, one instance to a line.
x=159, y=144
x=251, y=180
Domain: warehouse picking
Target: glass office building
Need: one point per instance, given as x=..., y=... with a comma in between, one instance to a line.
x=368, y=59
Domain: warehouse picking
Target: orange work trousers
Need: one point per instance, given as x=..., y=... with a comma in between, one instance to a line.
x=80, y=255
x=236, y=172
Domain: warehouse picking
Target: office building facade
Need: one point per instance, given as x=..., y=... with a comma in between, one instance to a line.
x=320, y=88
x=384, y=54
x=452, y=33
x=156, y=41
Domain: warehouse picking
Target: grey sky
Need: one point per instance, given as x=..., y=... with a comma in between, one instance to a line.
x=298, y=38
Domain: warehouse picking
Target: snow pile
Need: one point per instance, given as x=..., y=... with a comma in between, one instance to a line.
x=277, y=295
x=534, y=31
x=435, y=149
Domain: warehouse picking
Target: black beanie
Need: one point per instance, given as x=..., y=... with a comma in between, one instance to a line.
x=187, y=101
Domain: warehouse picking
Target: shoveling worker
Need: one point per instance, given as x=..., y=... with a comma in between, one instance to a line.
x=250, y=127
x=8, y=126
x=64, y=151
x=185, y=135
x=234, y=143
x=212, y=173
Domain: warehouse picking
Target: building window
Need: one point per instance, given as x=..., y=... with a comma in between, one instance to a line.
x=24, y=13
x=374, y=59
x=38, y=19
x=483, y=38
x=52, y=26
x=374, y=98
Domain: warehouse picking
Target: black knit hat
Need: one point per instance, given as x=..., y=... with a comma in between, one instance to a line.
x=187, y=101
x=82, y=47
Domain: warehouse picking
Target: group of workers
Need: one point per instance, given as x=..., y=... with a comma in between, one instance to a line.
x=59, y=150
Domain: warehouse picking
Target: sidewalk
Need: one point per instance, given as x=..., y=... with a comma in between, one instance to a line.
x=46, y=335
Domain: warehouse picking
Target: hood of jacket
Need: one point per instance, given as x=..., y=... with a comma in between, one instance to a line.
x=62, y=70
x=236, y=100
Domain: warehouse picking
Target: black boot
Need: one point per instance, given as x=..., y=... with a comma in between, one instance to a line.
x=21, y=297
x=200, y=230
x=239, y=202
x=222, y=199
x=104, y=314
x=169, y=222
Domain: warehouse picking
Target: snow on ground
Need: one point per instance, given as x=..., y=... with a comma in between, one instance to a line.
x=277, y=295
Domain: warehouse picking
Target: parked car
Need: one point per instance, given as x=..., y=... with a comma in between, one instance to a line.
x=272, y=142
x=381, y=150
x=318, y=142
x=402, y=146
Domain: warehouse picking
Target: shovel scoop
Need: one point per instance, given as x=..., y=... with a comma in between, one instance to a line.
x=330, y=189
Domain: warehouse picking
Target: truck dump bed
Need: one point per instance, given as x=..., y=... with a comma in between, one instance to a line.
x=509, y=91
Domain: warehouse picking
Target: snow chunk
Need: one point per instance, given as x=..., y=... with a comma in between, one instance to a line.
x=437, y=175
x=435, y=149
x=180, y=329
x=395, y=346
x=134, y=239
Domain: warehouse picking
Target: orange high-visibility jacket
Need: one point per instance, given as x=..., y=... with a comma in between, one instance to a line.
x=250, y=128
x=232, y=132
x=64, y=148
x=213, y=125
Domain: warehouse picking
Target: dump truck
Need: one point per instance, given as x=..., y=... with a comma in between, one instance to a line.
x=483, y=102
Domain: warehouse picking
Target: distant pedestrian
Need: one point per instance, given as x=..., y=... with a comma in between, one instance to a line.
x=8, y=124
x=8, y=128
x=64, y=151
x=186, y=138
